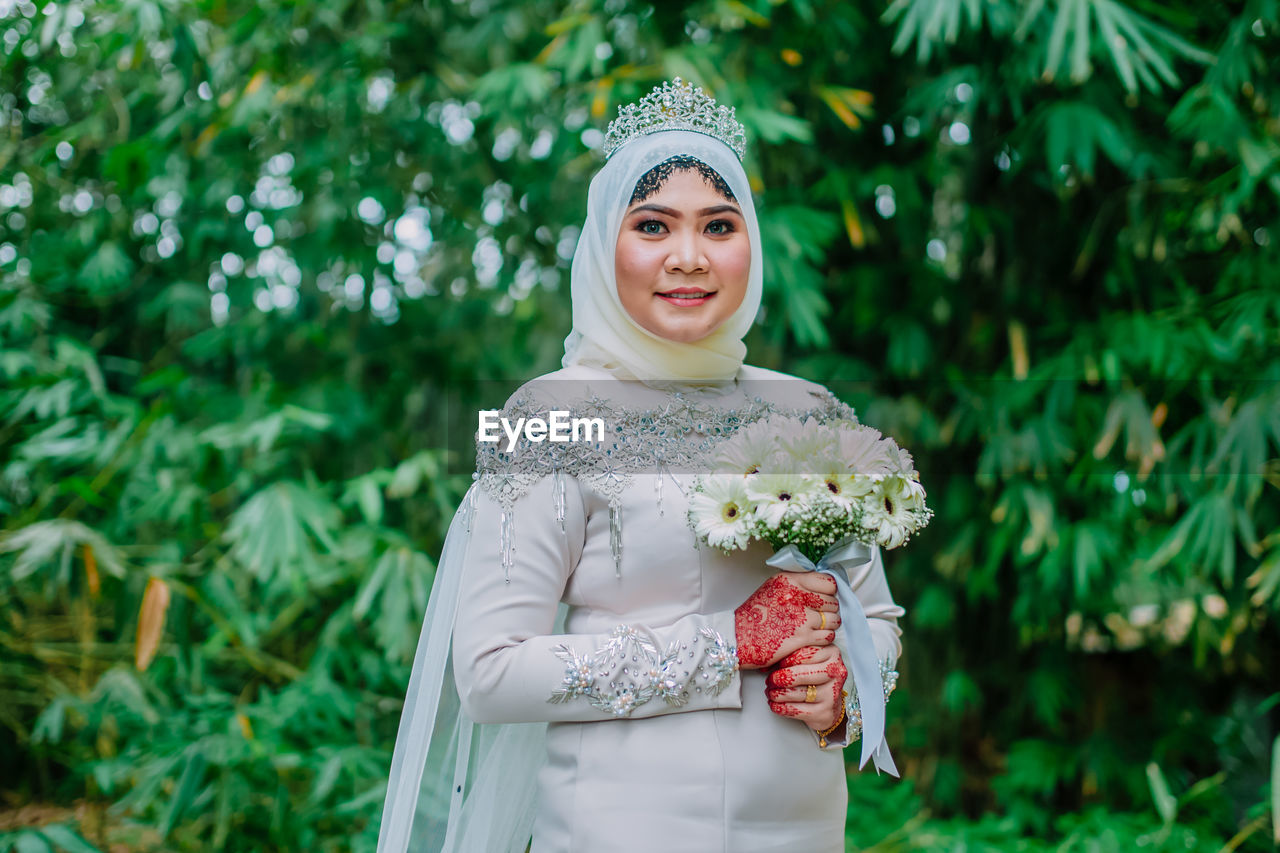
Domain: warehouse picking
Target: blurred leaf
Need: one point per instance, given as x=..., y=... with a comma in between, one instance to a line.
x=1166, y=805
x=64, y=838
x=959, y=692
x=1275, y=790
x=108, y=268
x=31, y=842
x=1076, y=132
x=193, y=769
x=272, y=533
x=50, y=545
x=930, y=22
x=155, y=603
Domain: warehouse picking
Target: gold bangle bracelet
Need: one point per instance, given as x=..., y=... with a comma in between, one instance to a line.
x=822, y=736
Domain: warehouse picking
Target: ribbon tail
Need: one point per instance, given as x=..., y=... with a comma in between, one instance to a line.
x=864, y=664
x=884, y=761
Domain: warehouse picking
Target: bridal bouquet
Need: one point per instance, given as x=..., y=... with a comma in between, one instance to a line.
x=809, y=485
x=822, y=495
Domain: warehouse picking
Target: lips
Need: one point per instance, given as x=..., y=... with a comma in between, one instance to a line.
x=686, y=296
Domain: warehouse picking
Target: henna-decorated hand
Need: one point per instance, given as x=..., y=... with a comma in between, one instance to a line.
x=787, y=686
x=783, y=616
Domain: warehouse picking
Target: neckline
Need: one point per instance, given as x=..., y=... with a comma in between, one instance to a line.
x=696, y=388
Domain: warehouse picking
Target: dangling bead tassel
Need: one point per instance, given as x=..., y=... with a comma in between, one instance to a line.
x=657, y=487
x=615, y=535
x=557, y=491
x=505, y=544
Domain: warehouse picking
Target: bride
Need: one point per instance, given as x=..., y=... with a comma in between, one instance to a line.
x=587, y=675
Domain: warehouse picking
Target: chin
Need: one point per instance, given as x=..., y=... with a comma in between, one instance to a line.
x=684, y=335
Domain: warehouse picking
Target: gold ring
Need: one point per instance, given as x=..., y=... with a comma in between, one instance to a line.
x=811, y=693
x=822, y=626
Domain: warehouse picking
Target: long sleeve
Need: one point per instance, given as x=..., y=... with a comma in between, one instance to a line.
x=871, y=586
x=508, y=665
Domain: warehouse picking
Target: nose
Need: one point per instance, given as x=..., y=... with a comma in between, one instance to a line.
x=686, y=254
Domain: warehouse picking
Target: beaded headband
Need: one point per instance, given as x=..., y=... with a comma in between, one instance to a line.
x=676, y=105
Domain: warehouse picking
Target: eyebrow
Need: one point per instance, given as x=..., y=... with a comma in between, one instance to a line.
x=672, y=212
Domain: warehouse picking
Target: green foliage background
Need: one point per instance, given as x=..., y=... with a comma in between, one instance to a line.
x=249, y=250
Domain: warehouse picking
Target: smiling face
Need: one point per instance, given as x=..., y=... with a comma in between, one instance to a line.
x=683, y=255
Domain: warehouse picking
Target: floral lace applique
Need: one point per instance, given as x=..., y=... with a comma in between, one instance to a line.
x=629, y=670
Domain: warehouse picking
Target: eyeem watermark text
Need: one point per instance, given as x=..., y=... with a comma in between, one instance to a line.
x=558, y=426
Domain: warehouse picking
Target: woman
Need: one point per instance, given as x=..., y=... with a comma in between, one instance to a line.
x=635, y=692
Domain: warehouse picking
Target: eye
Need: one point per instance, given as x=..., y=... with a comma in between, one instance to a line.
x=720, y=226
x=651, y=226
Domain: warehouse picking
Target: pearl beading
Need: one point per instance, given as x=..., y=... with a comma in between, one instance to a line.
x=628, y=671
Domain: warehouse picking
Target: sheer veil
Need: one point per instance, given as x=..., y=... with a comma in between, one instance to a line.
x=463, y=787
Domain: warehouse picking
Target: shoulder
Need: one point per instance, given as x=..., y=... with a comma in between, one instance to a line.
x=787, y=391
x=566, y=388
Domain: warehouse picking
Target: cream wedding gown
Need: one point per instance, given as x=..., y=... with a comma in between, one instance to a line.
x=656, y=742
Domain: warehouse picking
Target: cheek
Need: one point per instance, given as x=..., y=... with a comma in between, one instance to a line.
x=733, y=261
x=634, y=263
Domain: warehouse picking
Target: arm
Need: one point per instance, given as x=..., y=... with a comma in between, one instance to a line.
x=508, y=665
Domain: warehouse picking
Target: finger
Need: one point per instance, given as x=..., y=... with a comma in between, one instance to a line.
x=806, y=596
x=809, y=654
x=818, y=637
x=822, y=620
x=818, y=582
x=804, y=674
x=787, y=709
x=797, y=676
x=811, y=714
x=794, y=695
x=805, y=654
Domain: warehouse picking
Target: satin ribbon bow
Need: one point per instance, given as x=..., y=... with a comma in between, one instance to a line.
x=839, y=562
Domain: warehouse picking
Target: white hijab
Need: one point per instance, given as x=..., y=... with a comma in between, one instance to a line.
x=604, y=334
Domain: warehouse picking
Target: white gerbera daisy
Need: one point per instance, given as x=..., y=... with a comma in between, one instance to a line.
x=907, y=488
x=750, y=449
x=841, y=487
x=864, y=451
x=900, y=461
x=888, y=516
x=721, y=511
x=811, y=445
x=776, y=493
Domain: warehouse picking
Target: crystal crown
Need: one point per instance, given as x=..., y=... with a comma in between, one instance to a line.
x=676, y=105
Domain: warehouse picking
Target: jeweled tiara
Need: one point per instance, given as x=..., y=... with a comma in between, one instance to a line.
x=676, y=105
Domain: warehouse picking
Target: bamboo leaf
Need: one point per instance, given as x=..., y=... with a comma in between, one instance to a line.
x=64, y=838
x=1166, y=805
x=1080, y=43
x=1117, y=47
x=155, y=604
x=188, y=784
x=48, y=545
x=1058, y=37
x=31, y=842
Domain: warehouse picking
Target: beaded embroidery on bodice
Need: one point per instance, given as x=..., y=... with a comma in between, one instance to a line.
x=679, y=434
